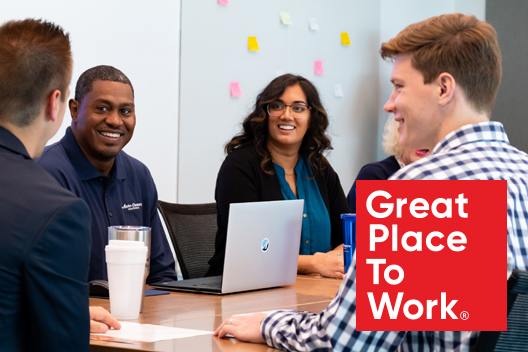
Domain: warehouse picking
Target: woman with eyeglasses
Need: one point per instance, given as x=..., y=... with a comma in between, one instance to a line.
x=279, y=155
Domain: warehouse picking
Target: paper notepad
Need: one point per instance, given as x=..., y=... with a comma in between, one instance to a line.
x=135, y=332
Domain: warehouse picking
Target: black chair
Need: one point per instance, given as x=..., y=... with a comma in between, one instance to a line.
x=516, y=338
x=192, y=229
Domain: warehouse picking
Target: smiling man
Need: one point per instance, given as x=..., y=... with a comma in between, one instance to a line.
x=89, y=161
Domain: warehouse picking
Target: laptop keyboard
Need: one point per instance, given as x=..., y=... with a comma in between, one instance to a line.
x=212, y=283
x=217, y=285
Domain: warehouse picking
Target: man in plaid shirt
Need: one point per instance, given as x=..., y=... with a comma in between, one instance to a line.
x=446, y=74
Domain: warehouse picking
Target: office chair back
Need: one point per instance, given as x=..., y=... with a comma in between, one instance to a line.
x=515, y=339
x=192, y=229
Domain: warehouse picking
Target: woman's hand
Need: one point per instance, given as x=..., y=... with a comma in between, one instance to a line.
x=242, y=327
x=101, y=320
x=329, y=264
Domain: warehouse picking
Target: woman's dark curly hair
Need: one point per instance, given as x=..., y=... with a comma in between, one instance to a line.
x=255, y=126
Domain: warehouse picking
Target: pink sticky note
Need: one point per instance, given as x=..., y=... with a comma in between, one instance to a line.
x=223, y=2
x=318, y=67
x=235, y=89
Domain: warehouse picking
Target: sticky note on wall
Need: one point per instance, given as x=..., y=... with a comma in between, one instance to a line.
x=338, y=90
x=312, y=22
x=318, y=67
x=345, y=40
x=285, y=17
x=252, y=44
x=234, y=87
x=223, y=2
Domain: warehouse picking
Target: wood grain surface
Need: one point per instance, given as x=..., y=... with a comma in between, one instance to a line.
x=206, y=312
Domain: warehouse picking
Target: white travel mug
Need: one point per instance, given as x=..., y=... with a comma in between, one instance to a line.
x=125, y=261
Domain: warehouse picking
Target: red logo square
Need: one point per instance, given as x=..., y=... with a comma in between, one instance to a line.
x=431, y=255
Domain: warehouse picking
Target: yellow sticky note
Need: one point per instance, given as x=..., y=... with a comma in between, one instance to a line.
x=345, y=40
x=252, y=44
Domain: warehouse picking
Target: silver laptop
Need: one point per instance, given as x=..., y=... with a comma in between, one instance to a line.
x=262, y=249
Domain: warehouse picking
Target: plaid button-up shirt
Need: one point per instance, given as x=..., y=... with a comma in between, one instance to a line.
x=473, y=152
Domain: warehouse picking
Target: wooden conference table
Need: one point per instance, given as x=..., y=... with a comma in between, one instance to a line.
x=206, y=312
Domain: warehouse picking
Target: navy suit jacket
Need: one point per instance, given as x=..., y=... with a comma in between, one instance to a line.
x=44, y=257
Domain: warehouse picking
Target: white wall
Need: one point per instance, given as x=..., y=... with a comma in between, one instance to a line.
x=395, y=15
x=141, y=39
x=214, y=52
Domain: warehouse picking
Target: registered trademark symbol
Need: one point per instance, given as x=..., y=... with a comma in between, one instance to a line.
x=464, y=315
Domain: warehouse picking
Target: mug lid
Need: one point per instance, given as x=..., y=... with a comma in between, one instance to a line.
x=125, y=245
x=129, y=228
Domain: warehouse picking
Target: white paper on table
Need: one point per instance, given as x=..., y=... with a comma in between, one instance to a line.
x=151, y=333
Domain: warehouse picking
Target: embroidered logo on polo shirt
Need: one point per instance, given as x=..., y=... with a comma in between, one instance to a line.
x=133, y=206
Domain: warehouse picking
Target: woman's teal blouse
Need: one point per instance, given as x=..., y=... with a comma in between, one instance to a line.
x=316, y=229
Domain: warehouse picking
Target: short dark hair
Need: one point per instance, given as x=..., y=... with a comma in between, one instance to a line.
x=255, y=126
x=458, y=44
x=35, y=60
x=99, y=73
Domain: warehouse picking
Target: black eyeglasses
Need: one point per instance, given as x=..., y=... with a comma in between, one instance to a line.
x=297, y=110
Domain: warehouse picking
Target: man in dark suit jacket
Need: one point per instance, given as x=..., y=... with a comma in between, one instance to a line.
x=44, y=229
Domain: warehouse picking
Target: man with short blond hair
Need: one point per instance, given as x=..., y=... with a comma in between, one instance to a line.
x=446, y=74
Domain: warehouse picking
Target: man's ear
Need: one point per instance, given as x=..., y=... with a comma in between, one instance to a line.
x=53, y=105
x=446, y=84
x=74, y=109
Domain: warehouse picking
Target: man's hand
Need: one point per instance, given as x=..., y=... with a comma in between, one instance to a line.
x=243, y=327
x=101, y=320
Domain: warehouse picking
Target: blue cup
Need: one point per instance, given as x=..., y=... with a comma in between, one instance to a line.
x=349, y=238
